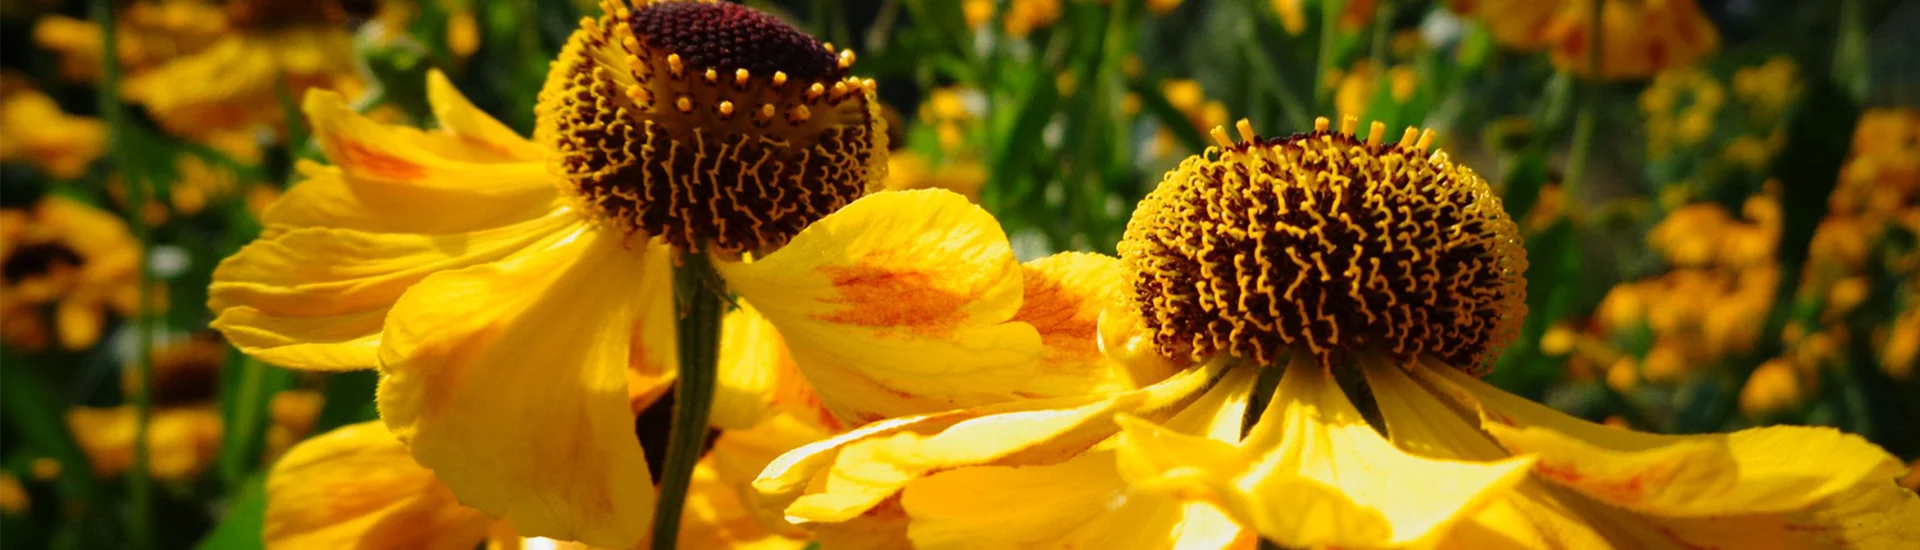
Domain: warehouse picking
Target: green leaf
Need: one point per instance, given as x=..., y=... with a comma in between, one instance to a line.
x=241, y=527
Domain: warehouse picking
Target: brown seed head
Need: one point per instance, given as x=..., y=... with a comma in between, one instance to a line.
x=711, y=125
x=1325, y=244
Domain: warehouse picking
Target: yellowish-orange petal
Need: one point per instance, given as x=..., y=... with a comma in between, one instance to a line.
x=1062, y=298
x=1760, y=470
x=316, y=297
x=356, y=487
x=509, y=381
x=1083, y=502
x=901, y=303
x=842, y=478
x=462, y=119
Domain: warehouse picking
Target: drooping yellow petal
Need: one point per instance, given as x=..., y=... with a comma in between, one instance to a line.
x=1313, y=473
x=1080, y=503
x=509, y=380
x=1754, y=488
x=842, y=478
x=472, y=175
x=900, y=303
x=342, y=246
x=316, y=297
x=356, y=487
x=1750, y=471
x=752, y=360
x=1532, y=515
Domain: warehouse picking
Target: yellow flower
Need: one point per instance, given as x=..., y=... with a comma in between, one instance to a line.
x=516, y=293
x=1244, y=260
x=356, y=486
x=13, y=496
x=148, y=34
x=1356, y=88
x=1639, y=38
x=36, y=131
x=1022, y=17
x=1190, y=100
x=907, y=170
x=234, y=83
x=181, y=442
x=1773, y=386
x=69, y=255
x=1767, y=88
x=1902, y=345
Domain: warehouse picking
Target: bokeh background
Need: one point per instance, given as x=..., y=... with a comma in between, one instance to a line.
x=1718, y=196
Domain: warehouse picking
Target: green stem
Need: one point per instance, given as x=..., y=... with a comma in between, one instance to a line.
x=1329, y=28
x=700, y=307
x=1584, y=123
x=139, y=484
x=1382, y=26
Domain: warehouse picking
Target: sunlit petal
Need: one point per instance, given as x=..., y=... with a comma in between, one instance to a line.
x=356, y=487
x=497, y=375
x=900, y=303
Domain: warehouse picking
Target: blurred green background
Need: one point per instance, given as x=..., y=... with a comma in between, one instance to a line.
x=1721, y=220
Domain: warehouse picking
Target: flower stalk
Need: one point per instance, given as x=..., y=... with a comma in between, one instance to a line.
x=699, y=308
x=139, y=483
x=1584, y=122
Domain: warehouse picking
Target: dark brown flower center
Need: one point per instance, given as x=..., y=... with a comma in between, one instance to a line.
x=710, y=125
x=38, y=259
x=1325, y=244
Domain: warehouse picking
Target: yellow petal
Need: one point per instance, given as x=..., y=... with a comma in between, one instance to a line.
x=1081, y=503
x=1313, y=473
x=404, y=156
x=328, y=197
x=900, y=304
x=460, y=118
x=1759, y=470
x=1063, y=297
x=79, y=321
x=356, y=487
x=316, y=297
x=509, y=381
x=752, y=361
x=849, y=475
x=1533, y=515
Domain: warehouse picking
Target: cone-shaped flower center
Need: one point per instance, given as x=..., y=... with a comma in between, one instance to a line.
x=1323, y=243
x=712, y=125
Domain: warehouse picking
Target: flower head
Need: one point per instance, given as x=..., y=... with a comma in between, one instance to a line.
x=65, y=254
x=1325, y=243
x=709, y=124
x=39, y=133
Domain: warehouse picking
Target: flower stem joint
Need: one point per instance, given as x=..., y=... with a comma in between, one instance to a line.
x=1323, y=243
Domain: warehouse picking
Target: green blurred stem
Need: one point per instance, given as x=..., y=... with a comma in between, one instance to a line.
x=139, y=484
x=1590, y=91
x=696, y=295
x=1382, y=26
x=1329, y=29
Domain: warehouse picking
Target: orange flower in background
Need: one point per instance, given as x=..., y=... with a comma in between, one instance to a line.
x=34, y=130
x=69, y=256
x=148, y=34
x=274, y=47
x=1638, y=37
